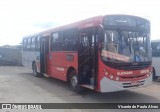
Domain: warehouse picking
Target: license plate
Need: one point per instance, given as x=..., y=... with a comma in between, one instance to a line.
x=135, y=83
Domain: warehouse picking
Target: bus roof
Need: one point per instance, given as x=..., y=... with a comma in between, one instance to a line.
x=80, y=24
x=94, y=21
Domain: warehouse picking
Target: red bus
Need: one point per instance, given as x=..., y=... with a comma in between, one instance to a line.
x=104, y=53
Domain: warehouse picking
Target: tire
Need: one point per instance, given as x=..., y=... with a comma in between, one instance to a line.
x=35, y=73
x=74, y=82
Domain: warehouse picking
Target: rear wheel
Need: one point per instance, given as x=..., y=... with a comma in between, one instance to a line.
x=35, y=73
x=74, y=82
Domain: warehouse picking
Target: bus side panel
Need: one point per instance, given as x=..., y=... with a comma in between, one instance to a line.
x=155, y=63
x=29, y=57
x=59, y=62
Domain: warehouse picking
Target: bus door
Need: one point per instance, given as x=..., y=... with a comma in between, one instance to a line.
x=87, y=58
x=44, y=50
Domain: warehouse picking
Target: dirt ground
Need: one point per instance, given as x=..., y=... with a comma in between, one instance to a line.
x=18, y=85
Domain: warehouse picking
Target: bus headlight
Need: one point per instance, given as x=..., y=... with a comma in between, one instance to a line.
x=111, y=76
x=106, y=73
x=117, y=78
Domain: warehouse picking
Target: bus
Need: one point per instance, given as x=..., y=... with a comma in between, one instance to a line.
x=104, y=53
x=156, y=58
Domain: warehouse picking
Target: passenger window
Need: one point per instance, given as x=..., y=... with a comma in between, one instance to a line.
x=33, y=43
x=70, y=40
x=37, y=43
x=57, y=42
x=29, y=43
x=84, y=41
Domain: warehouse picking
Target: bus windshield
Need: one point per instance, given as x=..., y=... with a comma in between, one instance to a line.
x=126, y=46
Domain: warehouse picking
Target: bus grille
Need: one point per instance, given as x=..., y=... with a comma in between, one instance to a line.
x=132, y=77
x=129, y=85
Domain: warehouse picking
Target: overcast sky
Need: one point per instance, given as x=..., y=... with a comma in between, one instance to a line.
x=22, y=17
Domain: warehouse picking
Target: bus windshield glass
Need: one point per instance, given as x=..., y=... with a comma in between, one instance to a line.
x=126, y=46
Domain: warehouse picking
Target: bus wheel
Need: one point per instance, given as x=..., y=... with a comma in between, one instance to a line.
x=35, y=73
x=74, y=82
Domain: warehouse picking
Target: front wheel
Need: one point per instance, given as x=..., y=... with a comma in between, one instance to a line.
x=74, y=82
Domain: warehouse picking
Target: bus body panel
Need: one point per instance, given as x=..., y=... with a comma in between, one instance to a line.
x=107, y=85
x=156, y=56
x=127, y=79
x=107, y=79
x=59, y=62
x=156, y=65
x=29, y=57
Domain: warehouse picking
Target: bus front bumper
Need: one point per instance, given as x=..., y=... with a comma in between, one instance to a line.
x=107, y=85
